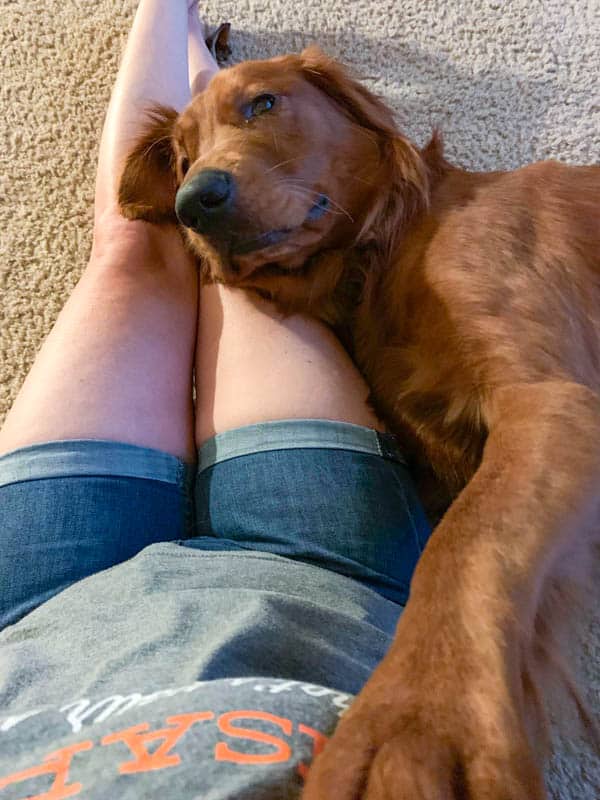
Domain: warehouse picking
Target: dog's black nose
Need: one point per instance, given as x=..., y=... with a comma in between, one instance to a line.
x=205, y=201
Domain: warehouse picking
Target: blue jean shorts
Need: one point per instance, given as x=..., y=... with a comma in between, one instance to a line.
x=327, y=493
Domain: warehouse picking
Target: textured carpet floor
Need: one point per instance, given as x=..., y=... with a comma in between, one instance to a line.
x=508, y=83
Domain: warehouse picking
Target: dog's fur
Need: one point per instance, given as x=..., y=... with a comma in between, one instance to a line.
x=471, y=303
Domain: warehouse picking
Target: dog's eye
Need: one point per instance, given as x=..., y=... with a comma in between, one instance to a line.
x=185, y=165
x=260, y=105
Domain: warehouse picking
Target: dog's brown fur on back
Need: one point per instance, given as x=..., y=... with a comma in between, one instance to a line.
x=471, y=303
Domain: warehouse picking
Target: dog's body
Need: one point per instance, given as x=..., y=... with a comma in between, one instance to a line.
x=497, y=282
x=471, y=302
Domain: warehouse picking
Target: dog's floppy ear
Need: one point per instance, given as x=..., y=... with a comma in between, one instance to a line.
x=148, y=184
x=353, y=98
x=407, y=185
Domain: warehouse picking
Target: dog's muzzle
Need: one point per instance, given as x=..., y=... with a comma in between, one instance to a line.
x=206, y=205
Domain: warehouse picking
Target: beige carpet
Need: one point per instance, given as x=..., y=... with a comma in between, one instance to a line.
x=507, y=81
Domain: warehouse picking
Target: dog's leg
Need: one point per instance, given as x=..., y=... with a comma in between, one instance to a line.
x=447, y=714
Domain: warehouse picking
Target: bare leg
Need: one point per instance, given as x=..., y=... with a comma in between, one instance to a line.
x=118, y=363
x=202, y=66
x=154, y=68
x=253, y=366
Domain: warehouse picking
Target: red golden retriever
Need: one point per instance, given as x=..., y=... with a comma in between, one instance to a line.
x=471, y=303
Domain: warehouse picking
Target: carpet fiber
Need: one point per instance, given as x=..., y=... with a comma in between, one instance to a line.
x=507, y=81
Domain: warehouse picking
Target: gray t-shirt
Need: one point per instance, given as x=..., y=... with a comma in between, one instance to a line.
x=184, y=674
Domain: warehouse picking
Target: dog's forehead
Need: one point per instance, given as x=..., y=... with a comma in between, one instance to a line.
x=246, y=80
x=232, y=88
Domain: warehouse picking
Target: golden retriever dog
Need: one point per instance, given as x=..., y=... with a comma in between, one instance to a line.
x=471, y=303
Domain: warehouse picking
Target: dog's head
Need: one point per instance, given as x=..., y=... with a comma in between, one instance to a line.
x=274, y=162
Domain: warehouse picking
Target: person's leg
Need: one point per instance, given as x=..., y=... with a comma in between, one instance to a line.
x=254, y=366
x=202, y=65
x=117, y=366
x=292, y=460
x=154, y=69
x=118, y=363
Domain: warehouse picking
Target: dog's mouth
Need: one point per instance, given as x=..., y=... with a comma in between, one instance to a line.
x=260, y=242
x=274, y=237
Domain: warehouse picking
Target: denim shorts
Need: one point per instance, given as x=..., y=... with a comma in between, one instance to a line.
x=331, y=494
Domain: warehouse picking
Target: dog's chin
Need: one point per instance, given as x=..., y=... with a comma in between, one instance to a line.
x=276, y=251
x=270, y=261
x=285, y=255
x=221, y=266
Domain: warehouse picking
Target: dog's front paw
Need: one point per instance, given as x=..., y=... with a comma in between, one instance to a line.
x=439, y=741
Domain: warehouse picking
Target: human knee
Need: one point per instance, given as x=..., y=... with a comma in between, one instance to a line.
x=118, y=239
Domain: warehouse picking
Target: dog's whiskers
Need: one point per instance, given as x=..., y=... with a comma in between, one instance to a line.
x=154, y=143
x=361, y=180
x=342, y=209
x=308, y=194
x=281, y=163
x=312, y=192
